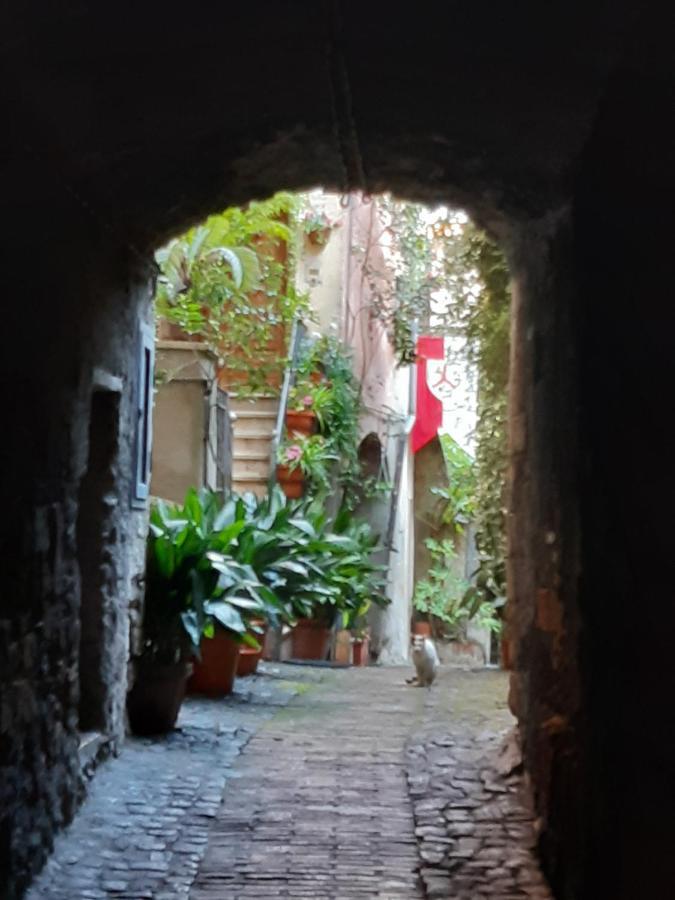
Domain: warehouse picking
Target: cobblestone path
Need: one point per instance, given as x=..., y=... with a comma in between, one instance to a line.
x=473, y=816
x=320, y=807
x=143, y=828
x=366, y=788
x=335, y=785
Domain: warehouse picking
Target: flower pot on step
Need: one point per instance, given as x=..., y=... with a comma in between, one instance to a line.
x=214, y=674
x=154, y=701
x=300, y=422
x=291, y=482
x=310, y=639
x=423, y=628
x=361, y=651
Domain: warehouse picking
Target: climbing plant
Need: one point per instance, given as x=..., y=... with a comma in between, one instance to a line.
x=460, y=492
x=229, y=283
x=477, y=274
x=451, y=279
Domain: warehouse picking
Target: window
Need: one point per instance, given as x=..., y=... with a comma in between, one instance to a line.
x=143, y=438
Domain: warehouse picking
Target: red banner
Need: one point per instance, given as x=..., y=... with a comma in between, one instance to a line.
x=429, y=409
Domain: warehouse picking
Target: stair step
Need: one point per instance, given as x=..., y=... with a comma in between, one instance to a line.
x=242, y=446
x=254, y=414
x=268, y=404
x=253, y=477
x=249, y=455
x=253, y=435
x=251, y=467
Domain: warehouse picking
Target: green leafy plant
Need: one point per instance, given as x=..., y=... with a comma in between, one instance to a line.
x=325, y=375
x=317, y=227
x=312, y=455
x=447, y=599
x=229, y=283
x=460, y=492
x=187, y=590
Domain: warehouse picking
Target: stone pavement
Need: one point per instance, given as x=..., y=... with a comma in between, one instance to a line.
x=143, y=828
x=321, y=806
x=473, y=815
x=338, y=785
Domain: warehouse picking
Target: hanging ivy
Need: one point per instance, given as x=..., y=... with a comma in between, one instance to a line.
x=479, y=275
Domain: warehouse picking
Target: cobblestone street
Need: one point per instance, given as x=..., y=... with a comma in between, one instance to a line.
x=337, y=784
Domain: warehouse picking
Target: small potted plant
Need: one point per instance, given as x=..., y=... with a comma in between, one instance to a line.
x=303, y=460
x=251, y=654
x=300, y=415
x=317, y=228
x=234, y=598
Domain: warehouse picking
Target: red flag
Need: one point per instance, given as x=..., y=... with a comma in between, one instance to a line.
x=429, y=409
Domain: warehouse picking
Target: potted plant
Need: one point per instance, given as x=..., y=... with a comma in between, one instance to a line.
x=317, y=228
x=343, y=579
x=177, y=582
x=300, y=415
x=226, y=628
x=303, y=460
x=251, y=654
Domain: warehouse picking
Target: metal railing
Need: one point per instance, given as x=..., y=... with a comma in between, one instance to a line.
x=298, y=332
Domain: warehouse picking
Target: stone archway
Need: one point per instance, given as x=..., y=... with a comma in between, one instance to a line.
x=119, y=132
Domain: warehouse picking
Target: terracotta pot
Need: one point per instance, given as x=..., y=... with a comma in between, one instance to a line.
x=300, y=422
x=248, y=657
x=247, y=662
x=292, y=483
x=423, y=628
x=310, y=639
x=343, y=647
x=214, y=673
x=154, y=701
x=360, y=651
x=319, y=237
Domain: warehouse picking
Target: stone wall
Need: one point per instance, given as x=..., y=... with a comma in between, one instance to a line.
x=76, y=350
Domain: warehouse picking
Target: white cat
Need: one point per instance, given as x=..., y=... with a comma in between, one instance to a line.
x=425, y=659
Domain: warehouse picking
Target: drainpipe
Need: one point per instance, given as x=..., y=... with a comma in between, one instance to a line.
x=400, y=454
x=347, y=268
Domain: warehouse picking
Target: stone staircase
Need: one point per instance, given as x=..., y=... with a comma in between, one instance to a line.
x=252, y=430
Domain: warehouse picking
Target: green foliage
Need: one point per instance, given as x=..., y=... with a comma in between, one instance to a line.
x=220, y=564
x=221, y=281
x=186, y=587
x=447, y=598
x=460, y=492
x=317, y=226
x=336, y=401
x=313, y=456
x=484, y=317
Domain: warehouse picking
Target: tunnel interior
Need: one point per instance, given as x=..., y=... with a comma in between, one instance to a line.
x=550, y=124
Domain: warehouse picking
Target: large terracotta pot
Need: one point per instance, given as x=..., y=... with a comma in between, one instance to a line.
x=292, y=483
x=300, y=422
x=360, y=651
x=248, y=657
x=423, y=628
x=214, y=674
x=310, y=639
x=154, y=701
